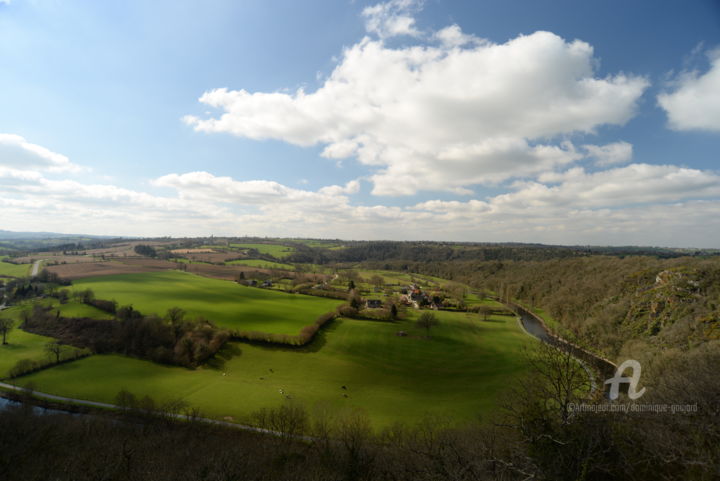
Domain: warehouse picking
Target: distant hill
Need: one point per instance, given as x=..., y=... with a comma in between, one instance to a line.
x=11, y=235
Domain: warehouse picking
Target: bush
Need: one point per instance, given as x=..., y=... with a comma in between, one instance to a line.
x=28, y=366
x=103, y=305
x=307, y=333
x=23, y=366
x=347, y=311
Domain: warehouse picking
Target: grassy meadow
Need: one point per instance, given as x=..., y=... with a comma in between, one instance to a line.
x=69, y=309
x=263, y=264
x=459, y=372
x=21, y=345
x=226, y=303
x=13, y=270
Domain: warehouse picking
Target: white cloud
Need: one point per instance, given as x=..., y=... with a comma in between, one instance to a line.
x=18, y=153
x=440, y=117
x=392, y=19
x=638, y=203
x=694, y=104
x=610, y=154
x=453, y=36
x=256, y=193
x=352, y=187
x=618, y=187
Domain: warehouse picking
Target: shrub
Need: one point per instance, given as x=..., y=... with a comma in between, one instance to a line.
x=347, y=311
x=22, y=367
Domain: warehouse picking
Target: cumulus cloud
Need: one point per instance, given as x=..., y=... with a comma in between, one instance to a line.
x=622, y=186
x=206, y=186
x=441, y=117
x=392, y=19
x=352, y=187
x=694, y=104
x=610, y=154
x=18, y=153
x=638, y=203
x=453, y=36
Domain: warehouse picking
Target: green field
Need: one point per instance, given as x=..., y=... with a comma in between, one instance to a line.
x=262, y=264
x=21, y=345
x=226, y=303
x=459, y=372
x=70, y=309
x=275, y=250
x=13, y=270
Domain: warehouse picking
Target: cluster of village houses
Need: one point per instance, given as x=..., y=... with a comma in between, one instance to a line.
x=411, y=295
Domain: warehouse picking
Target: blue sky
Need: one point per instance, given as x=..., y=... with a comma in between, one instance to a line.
x=563, y=122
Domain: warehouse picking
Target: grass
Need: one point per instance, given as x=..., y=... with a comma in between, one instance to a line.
x=70, y=309
x=459, y=372
x=275, y=250
x=226, y=303
x=13, y=270
x=21, y=345
x=262, y=264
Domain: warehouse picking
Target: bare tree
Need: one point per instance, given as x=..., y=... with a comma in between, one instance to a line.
x=426, y=321
x=54, y=348
x=175, y=316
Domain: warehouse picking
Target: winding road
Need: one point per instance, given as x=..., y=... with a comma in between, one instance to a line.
x=35, y=268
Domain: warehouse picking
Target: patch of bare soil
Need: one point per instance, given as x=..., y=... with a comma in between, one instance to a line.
x=191, y=251
x=92, y=269
x=229, y=273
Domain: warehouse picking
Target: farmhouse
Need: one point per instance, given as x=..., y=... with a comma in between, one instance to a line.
x=373, y=303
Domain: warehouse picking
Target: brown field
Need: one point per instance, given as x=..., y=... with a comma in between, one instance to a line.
x=125, y=249
x=192, y=251
x=153, y=264
x=91, y=269
x=143, y=264
x=229, y=273
x=60, y=259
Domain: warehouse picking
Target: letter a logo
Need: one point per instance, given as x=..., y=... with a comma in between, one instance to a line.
x=632, y=381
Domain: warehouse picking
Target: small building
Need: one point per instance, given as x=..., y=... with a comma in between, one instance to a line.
x=267, y=284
